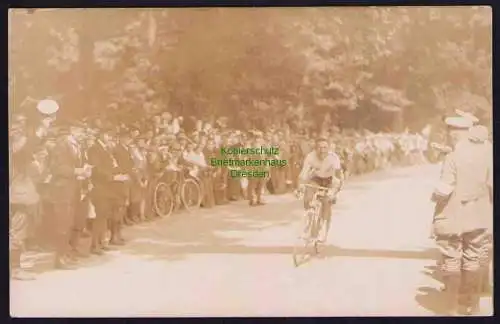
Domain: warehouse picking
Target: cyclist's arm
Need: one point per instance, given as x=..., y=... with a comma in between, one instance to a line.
x=305, y=173
x=337, y=174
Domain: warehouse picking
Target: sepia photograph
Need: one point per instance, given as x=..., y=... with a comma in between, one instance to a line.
x=251, y=162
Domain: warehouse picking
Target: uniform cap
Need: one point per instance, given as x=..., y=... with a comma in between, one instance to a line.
x=459, y=122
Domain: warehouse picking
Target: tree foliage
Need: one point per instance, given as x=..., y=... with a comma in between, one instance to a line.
x=356, y=67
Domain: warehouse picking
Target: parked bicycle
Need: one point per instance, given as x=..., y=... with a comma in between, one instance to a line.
x=177, y=187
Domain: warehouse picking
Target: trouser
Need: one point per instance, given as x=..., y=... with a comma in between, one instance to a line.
x=116, y=220
x=486, y=258
x=233, y=188
x=207, y=182
x=220, y=187
x=277, y=180
x=462, y=256
x=255, y=186
x=19, y=220
x=136, y=208
x=80, y=222
x=34, y=226
x=109, y=215
x=63, y=213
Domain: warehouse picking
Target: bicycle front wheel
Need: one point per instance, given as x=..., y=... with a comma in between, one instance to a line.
x=302, y=247
x=191, y=194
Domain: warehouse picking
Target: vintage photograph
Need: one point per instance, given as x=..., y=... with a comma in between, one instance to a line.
x=251, y=162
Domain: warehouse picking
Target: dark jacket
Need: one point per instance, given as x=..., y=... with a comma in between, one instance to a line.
x=103, y=172
x=62, y=163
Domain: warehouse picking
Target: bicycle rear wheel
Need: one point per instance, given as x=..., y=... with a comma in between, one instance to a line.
x=191, y=194
x=163, y=200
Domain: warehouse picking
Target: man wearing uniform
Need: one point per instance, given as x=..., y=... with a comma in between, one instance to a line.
x=463, y=226
x=321, y=168
x=68, y=171
x=23, y=196
x=479, y=132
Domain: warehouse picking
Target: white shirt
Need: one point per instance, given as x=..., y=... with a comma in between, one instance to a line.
x=196, y=158
x=324, y=168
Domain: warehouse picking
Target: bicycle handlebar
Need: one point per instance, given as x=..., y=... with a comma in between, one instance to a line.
x=314, y=186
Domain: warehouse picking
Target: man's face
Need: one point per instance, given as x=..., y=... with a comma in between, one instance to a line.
x=322, y=148
x=125, y=139
x=106, y=138
x=76, y=132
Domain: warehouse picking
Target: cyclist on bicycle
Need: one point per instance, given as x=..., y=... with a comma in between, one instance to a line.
x=322, y=168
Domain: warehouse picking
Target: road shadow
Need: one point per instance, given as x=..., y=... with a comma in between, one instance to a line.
x=222, y=229
x=433, y=300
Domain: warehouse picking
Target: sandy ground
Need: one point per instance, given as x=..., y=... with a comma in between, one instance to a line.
x=236, y=261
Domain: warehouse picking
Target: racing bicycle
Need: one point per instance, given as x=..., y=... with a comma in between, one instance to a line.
x=313, y=223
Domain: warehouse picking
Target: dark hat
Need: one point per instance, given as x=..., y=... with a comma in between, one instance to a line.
x=124, y=132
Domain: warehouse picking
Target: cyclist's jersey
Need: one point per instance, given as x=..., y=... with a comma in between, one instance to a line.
x=325, y=169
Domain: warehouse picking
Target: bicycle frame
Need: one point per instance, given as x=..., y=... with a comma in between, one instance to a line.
x=313, y=213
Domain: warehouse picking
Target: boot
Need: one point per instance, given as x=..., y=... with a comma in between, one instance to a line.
x=486, y=289
x=76, y=254
x=470, y=292
x=63, y=263
x=115, y=234
x=451, y=292
x=17, y=273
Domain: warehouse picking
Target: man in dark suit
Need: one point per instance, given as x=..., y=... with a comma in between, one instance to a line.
x=107, y=180
x=68, y=170
x=126, y=165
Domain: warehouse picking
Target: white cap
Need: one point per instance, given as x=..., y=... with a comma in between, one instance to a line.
x=459, y=122
x=47, y=106
x=467, y=115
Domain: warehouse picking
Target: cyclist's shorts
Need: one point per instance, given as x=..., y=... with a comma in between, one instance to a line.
x=323, y=182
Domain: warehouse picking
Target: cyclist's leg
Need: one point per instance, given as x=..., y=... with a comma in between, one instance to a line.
x=308, y=196
x=326, y=216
